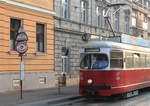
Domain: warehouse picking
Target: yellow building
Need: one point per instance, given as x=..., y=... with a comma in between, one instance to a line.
x=36, y=17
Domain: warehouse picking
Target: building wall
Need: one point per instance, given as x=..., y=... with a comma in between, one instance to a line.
x=68, y=33
x=40, y=64
x=71, y=29
x=47, y=4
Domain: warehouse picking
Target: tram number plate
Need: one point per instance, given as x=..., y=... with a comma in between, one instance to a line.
x=134, y=93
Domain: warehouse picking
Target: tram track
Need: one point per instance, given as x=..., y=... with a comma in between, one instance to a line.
x=140, y=100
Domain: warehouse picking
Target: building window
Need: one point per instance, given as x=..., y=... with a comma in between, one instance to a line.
x=105, y=23
x=127, y=19
x=40, y=33
x=84, y=12
x=15, y=83
x=149, y=5
x=99, y=16
x=145, y=3
x=66, y=8
x=14, y=27
x=140, y=1
x=42, y=80
x=117, y=20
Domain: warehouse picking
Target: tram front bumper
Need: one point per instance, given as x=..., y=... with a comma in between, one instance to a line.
x=95, y=90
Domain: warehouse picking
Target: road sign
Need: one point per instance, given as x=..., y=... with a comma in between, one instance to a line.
x=21, y=47
x=21, y=36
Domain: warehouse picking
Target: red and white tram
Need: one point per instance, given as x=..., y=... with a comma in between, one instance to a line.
x=109, y=68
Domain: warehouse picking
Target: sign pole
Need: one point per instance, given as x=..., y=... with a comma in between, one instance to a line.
x=21, y=90
x=21, y=47
x=21, y=82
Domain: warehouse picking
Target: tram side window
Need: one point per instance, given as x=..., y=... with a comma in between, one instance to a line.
x=116, y=59
x=148, y=60
x=136, y=60
x=129, y=60
x=143, y=60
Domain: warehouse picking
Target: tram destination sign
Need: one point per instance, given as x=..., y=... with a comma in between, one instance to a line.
x=92, y=49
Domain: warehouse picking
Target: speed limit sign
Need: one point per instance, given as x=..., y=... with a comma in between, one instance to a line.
x=21, y=47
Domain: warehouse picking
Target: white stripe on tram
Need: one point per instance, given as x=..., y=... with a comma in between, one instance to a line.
x=131, y=85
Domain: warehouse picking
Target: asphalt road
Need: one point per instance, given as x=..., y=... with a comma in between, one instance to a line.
x=141, y=100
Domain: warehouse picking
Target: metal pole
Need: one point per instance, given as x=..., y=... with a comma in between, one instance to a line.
x=107, y=18
x=21, y=82
x=58, y=85
x=21, y=90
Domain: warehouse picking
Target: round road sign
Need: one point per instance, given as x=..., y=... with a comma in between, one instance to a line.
x=21, y=47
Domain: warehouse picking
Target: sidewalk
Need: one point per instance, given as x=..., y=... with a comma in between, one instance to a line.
x=13, y=98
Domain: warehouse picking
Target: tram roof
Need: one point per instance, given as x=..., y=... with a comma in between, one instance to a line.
x=111, y=44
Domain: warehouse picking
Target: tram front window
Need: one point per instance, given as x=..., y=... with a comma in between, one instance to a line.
x=94, y=61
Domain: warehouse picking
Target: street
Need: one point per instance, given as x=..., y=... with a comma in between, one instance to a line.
x=142, y=100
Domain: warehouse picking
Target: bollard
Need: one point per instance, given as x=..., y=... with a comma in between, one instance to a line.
x=62, y=80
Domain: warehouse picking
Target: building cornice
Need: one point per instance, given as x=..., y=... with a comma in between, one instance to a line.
x=27, y=6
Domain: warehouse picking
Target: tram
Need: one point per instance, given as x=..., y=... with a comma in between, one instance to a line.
x=109, y=68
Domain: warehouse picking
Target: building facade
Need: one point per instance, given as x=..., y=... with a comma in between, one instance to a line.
x=36, y=17
x=74, y=18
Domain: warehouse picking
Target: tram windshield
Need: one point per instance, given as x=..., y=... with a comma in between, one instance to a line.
x=94, y=61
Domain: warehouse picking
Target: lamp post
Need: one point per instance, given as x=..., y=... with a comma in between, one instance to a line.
x=21, y=47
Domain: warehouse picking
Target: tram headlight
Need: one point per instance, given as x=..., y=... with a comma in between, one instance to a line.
x=89, y=81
